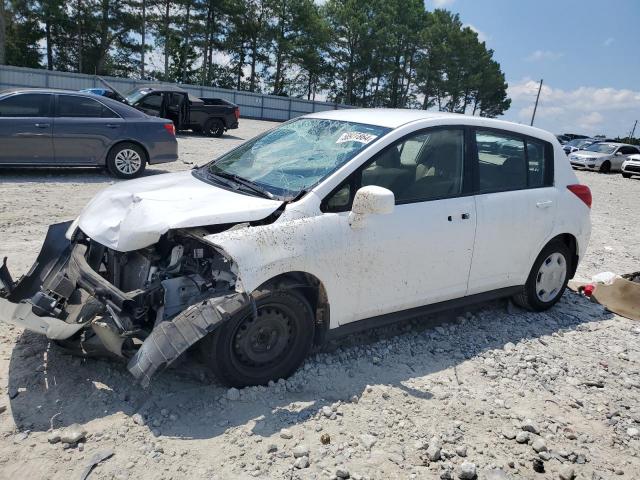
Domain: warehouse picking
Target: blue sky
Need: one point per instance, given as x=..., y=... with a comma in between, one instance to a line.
x=587, y=51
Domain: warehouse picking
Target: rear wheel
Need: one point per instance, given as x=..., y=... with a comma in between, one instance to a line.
x=548, y=278
x=251, y=349
x=605, y=167
x=214, y=127
x=626, y=175
x=126, y=160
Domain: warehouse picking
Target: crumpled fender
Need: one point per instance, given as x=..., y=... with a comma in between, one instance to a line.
x=260, y=253
x=171, y=339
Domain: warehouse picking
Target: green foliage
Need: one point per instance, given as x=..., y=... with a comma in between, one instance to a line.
x=373, y=53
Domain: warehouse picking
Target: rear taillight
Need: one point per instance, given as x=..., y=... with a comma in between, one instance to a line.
x=237, y=112
x=170, y=127
x=582, y=192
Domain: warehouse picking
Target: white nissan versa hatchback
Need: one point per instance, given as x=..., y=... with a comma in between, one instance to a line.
x=329, y=223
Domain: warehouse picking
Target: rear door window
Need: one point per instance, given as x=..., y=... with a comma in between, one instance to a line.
x=501, y=162
x=512, y=162
x=26, y=105
x=72, y=106
x=536, y=163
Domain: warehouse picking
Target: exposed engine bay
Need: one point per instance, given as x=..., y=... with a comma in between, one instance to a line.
x=94, y=298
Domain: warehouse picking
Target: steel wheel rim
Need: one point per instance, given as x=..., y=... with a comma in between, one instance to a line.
x=128, y=161
x=263, y=340
x=551, y=276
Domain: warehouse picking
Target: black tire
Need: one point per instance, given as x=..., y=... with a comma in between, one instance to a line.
x=239, y=352
x=605, y=167
x=213, y=128
x=126, y=160
x=626, y=175
x=532, y=296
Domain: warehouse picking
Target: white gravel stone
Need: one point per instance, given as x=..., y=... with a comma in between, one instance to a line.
x=301, y=451
x=301, y=462
x=467, y=471
x=539, y=445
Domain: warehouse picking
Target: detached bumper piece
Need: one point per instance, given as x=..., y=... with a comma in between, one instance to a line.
x=25, y=304
x=170, y=339
x=61, y=293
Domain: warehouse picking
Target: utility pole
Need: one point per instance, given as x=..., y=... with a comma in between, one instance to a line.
x=633, y=130
x=3, y=34
x=143, y=35
x=533, y=117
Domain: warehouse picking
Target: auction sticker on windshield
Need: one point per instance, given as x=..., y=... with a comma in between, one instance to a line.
x=360, y=137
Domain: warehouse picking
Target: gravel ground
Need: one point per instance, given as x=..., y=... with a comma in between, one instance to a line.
x=490, y=393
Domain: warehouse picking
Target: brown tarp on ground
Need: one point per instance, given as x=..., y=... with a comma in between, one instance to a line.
x=621, y=297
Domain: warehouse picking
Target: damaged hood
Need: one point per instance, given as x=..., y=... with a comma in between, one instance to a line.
x=134, y=214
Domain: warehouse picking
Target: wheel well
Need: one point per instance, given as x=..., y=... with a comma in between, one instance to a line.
x=572, y=244
x=224, y=123
x=314, y=292
x=138, y=144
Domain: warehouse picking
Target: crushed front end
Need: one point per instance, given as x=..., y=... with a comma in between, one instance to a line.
x=148, y=305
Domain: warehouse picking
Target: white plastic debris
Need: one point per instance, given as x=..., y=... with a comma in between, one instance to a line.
x=606, y=278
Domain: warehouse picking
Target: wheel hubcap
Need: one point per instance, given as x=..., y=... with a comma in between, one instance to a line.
x=551, y=276
x=128, y=161
x=263, y=339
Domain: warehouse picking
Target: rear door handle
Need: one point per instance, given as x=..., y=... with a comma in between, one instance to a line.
x=112, y=125
x=545, y=204
x=42, y=125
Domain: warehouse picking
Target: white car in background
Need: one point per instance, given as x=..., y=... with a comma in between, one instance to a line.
x=631, y=166
x=333, y=222
x=603, y=157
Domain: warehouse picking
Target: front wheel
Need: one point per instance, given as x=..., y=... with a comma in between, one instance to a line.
x=126, y=160
x=268, y=344
x=548, y=278
x=626, y=175
x=605, y=167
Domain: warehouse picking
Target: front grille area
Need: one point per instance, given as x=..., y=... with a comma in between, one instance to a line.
x=632, y=168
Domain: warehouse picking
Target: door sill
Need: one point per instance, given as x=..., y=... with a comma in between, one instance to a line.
x=391, y=318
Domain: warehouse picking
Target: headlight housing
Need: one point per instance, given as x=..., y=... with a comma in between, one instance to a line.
x=72, y=228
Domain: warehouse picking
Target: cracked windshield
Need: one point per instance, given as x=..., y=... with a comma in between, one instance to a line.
x=297, y=155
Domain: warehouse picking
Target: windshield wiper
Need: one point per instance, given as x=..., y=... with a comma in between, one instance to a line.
x=243, y=181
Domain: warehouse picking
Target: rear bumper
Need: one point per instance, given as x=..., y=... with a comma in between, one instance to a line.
x=163, y=151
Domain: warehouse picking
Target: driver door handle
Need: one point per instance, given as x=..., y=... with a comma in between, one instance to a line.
x=545, y=204
x=42, y=125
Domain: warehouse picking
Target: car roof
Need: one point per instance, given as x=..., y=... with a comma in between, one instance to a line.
x=122, y=109
x=396, y=117
x=617, y=144
x=160, y=86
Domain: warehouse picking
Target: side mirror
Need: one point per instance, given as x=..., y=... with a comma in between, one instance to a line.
x=618, y=154
x=370, y=200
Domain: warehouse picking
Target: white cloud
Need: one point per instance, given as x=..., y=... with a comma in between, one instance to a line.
x=609, y=41
x=591, y=110
x=442, y=3
x=483, y=37
x=541, y=55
